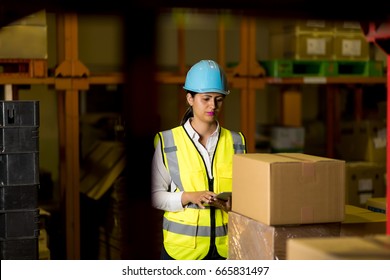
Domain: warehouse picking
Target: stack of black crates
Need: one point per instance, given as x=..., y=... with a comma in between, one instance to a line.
x=19, y=180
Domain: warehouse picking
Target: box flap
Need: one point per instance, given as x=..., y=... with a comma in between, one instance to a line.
x=267, y=158
x=305, y=157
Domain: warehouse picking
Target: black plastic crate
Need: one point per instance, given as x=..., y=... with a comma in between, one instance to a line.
x=19, y=113
x=19, y=249
x=18, y=197
x=19, y=169
x=19, y=224
x=19, y=139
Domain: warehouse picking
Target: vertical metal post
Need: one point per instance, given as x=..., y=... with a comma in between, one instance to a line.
x=388, y=149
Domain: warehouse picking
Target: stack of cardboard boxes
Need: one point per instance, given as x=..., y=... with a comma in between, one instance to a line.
x=278, y=197
x=302, y=48
x=302, y=40
x=363, y=145
x=281, y=196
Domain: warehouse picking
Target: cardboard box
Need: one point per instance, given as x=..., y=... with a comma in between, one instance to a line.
x=43, y=245
x=301, y=45
x=310, y=39
x=377, y=204
x=25, y=38
x=311, y=25
x=350, y=46
x=362, y=222
x=363, y=141
x=288, y=188
x=15, y=38
x=364, y=180
x=287, y=139
x=291, y=109
x=253, y=240
x=376, y=247
x=34, y=19
x=347, y=27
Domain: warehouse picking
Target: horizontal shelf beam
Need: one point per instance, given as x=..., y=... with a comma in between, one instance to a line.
x=326, y=80
x=168, y=78
x=93, y=80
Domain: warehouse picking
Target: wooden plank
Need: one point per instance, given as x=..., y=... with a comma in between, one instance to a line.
x=68, y=108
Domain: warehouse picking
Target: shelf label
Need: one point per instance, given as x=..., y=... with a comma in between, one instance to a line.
x=314, y=80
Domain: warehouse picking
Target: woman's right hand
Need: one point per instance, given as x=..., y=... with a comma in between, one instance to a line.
x=198, y=198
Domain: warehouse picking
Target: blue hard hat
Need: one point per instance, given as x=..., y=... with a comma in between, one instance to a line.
x=206, y=76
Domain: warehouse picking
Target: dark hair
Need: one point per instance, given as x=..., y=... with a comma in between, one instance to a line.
x=188, y=113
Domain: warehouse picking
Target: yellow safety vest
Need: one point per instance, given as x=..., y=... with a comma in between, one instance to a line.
x=188, y=234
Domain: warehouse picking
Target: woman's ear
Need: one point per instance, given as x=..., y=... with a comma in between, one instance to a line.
x=190, y=99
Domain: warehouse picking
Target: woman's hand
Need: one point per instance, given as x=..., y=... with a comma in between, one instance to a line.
x=198, y=198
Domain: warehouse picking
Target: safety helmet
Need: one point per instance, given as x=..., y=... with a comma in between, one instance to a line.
x=206, y=76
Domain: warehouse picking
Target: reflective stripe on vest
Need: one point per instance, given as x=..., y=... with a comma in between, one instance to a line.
x=238, y=147
x=188, y=229
x=170, y=150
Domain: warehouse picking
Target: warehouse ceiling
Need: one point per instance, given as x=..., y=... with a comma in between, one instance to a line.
x=11, y=10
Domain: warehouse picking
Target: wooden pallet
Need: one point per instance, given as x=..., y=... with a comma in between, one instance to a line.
x=32, y=68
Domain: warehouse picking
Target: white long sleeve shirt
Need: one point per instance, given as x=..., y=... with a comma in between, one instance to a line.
x=164, y=196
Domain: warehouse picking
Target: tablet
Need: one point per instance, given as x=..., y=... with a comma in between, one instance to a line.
x=224, y=195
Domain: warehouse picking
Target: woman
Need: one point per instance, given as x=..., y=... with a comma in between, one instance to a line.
x=192, y=163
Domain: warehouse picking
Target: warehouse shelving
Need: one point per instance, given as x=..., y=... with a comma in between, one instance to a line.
x=332, y=86
x=248, y=76
x=70, y=77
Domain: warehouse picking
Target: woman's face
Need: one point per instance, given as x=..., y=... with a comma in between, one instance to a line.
x=206, y=106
